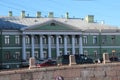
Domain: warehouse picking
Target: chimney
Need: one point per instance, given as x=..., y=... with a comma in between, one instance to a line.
x=10, y=14
x=23, y=14
x=89, y=18
x=38, y=15
x=51, y=15
x=67, y=15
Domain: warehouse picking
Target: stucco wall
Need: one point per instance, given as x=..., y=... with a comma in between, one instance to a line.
x=109, y=71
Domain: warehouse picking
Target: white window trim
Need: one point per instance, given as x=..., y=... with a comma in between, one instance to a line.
x=27, y=40
x=85, y=41
x=60, y=40
x=52, y=40
x=17, y=39
x=27, y=55
x=44, y=40
x=94, y=39
x=7, y=39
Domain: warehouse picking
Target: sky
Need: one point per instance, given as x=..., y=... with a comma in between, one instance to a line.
x=103, y=10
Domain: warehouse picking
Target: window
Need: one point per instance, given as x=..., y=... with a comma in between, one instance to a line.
x=7, y=40
x=68, y=39
x=17, y=55
x=27, y=55
x=94, y=39
x=44, y=40
x=76, y=40
x=52, y=40
x=17, y=39
x=45, y=55
x=104, y=39
x=36, y=55
x=52, y=24
x=7, y=55
x=27, y=39
x=85, y=52
x=36, y=39
x=60, y=40
x=85, y=39
x=112, y=39
x=95, y=53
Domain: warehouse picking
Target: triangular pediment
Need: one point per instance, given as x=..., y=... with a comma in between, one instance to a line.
x=51, y=25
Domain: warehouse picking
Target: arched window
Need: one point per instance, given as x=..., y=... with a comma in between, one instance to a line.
x=52, y=24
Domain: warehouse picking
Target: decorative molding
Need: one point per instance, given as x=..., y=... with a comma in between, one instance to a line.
x=63, y=47
x=52, y=32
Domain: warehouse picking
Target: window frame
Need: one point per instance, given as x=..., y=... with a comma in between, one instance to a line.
x=17, y=39
x=7, y=39
x=94, y=39
x=85, y=39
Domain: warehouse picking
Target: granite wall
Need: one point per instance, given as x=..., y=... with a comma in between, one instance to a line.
x=109, y=71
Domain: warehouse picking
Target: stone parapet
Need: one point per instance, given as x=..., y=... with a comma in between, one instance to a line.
x=108, y=71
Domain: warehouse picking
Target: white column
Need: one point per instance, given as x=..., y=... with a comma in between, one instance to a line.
x=32, y=45
x=65, y=44
x=73, y=44
x=80, y=45
x=49, y=46
x=57, y=45
x=23, y=48
x=41, y=47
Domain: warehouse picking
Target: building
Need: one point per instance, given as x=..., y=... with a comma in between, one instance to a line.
x=48, y=37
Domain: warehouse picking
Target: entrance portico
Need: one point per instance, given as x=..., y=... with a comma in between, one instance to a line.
x=53, y=41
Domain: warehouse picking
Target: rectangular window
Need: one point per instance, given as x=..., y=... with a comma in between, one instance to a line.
x=27, y=55
x=36, y=55
x=94, y=39
x=84, y=39
x=104, y=39
x=45, y=55
x=27, y=40
x=76, y=40
x=60, y=40
x=7, y=41
x=68, y=40
x=113, y=39
x=44, y=40
x=85, y=52
x=52, y=40
x=17, y=39
x=95, y=53
x=17, y=55
x=36, y=39
x=7, y=55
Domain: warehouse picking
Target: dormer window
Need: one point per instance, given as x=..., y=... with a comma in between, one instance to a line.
x=52, y=24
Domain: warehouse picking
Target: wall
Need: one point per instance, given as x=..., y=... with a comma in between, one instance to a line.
x=109, y=71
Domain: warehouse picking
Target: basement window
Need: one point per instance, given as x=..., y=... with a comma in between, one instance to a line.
x=52, y=24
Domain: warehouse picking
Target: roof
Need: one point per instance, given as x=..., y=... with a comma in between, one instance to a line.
x=77, y=23
x=7, y=24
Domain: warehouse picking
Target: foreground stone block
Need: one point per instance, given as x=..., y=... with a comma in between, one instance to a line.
x=32, y=63
x=106, y=58
x=72, y=60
